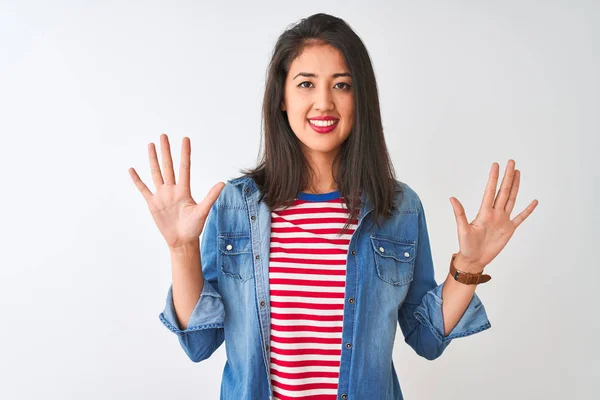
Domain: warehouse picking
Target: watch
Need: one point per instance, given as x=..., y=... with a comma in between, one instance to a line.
x=466, y=277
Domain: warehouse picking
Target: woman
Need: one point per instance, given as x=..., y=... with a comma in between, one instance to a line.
x=309, y=262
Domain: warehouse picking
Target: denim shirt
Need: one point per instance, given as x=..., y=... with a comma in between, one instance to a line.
x=389, y=282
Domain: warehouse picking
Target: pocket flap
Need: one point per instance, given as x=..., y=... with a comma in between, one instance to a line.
x=231, y=244
x=395, y=248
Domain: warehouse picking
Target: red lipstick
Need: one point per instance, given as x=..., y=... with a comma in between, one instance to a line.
x=324, y=129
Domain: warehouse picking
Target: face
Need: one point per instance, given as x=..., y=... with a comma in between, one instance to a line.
x=319, y=85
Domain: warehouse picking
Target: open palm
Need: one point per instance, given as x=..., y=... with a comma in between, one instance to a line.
x=482, y=240
x=178, y=217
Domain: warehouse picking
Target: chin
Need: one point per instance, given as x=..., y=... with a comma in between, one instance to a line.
x=320, y=148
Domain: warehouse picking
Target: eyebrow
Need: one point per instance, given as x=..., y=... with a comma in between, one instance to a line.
x=311, y=75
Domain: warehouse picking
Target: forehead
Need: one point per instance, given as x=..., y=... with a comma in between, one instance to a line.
x=319, y=59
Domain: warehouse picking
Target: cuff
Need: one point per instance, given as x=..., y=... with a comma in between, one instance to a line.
x=209, y=311
x=429, y=313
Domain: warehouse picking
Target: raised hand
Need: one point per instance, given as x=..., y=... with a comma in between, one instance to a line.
x=482, y=240
x=179, y=218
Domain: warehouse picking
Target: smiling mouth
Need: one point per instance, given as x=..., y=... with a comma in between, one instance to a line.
x=323, y=123
x=323, y=126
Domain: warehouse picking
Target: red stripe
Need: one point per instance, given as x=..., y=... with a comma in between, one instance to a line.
x=292, y=210
x=304, y=375
x=280, y=396
x=300, y=293
x=306, y=386
x=296, y=352
x=305, y=328
x=321, y=220
x=309, y=240
x=305, y=363
x=306, y=339
x=308, y=250
x=308, y=261
x=307, y=316
x=299, y=304
x=306, y=282
x=307, y=271
x=324, y=231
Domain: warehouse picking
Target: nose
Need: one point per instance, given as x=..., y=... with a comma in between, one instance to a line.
x=324, y=99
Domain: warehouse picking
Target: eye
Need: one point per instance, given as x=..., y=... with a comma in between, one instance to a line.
x=302, y=83
x=347, y=86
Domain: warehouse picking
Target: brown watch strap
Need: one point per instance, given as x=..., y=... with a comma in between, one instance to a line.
x=465, y=277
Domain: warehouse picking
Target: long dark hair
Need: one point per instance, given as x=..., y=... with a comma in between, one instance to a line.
x=363, y=162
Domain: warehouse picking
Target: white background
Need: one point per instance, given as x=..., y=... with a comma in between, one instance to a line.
x=85, y=86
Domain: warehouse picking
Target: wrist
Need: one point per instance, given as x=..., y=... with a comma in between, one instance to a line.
x=192, y=247
x=467, y=266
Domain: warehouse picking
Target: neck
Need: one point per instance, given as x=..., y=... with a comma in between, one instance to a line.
x=322, y=180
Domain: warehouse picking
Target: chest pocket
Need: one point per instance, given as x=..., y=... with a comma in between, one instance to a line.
x=394, y=260
x=236, y=256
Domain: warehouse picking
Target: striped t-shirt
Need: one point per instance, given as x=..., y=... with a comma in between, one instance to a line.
x=307, y=277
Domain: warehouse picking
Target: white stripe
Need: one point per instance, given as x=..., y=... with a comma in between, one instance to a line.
x=293, y=235
x=294, y=217
x=313, y=225
x=301, y=393
x=295, y=334
x=296, y=370
x=315, y=204
x=308, y=256
x=302, y=310
x=312, y=277
x=304, y=357
x=311, y=322
x=310, y=246
x=287, y=264
x=320, y=289
x=303, y=381
x=300, y=346
x=311, y=300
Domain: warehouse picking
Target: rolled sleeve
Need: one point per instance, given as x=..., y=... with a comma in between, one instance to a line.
x=429, y=313
x=209, y=311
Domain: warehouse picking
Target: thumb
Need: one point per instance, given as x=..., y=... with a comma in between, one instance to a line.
x=203, y=208
x=459, y=214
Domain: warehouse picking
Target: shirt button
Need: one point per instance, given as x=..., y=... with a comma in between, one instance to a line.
x=263, y=303
x=229, y=247
x=353, y=252
x=253, y=218
x=406, y=254
x=351, y=300
x=381, y=249
x=344, y=396
x=348, y=345
x=246, y=189
x=267, y=347
x=257, y=257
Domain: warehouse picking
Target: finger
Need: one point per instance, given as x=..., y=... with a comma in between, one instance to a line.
x=505, y=186
x=525, y=213
x=140, y=185
x=490, y=188
x=459, y=214
x=510, y=204
x=167, y=161
x=205, y=205
x=184, y=164
x=154, y=167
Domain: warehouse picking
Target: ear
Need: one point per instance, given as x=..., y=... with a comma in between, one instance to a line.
x=282, y=106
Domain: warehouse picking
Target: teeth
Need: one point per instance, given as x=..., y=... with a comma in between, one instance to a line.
x=322, y=123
